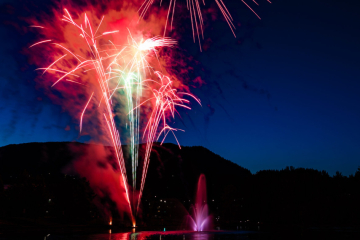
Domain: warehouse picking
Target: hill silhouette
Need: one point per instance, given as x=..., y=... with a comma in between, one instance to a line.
x=167, y=161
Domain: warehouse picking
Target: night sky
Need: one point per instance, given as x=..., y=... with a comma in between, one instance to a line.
x=285, y=92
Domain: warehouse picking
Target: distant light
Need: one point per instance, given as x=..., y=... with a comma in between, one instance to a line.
x=49, y=199
x=160, y=200
x=164, y=229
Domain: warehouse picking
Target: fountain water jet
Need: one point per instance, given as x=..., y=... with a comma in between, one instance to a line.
x=200, y=219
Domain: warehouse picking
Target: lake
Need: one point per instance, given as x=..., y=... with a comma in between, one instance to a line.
x=319, y=234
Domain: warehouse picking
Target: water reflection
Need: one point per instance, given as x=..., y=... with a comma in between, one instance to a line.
x=169, y=235
x=120, y=236
x=153, y=235
x=201, y=236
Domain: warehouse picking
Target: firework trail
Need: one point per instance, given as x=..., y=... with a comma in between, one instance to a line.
x=96, y=63
x=194, y=8
x=131, y=75
x=138, y=66
x=121, y=68
x=166, y=99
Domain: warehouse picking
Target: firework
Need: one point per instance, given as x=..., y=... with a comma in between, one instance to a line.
x=121, y=69
x=130, y=76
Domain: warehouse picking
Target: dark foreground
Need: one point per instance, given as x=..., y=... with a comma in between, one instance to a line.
x=54, y=188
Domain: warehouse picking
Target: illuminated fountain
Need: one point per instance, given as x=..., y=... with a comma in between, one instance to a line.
x=200, y=220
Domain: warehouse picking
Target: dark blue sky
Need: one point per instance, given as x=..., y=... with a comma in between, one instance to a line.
x=284, y=92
